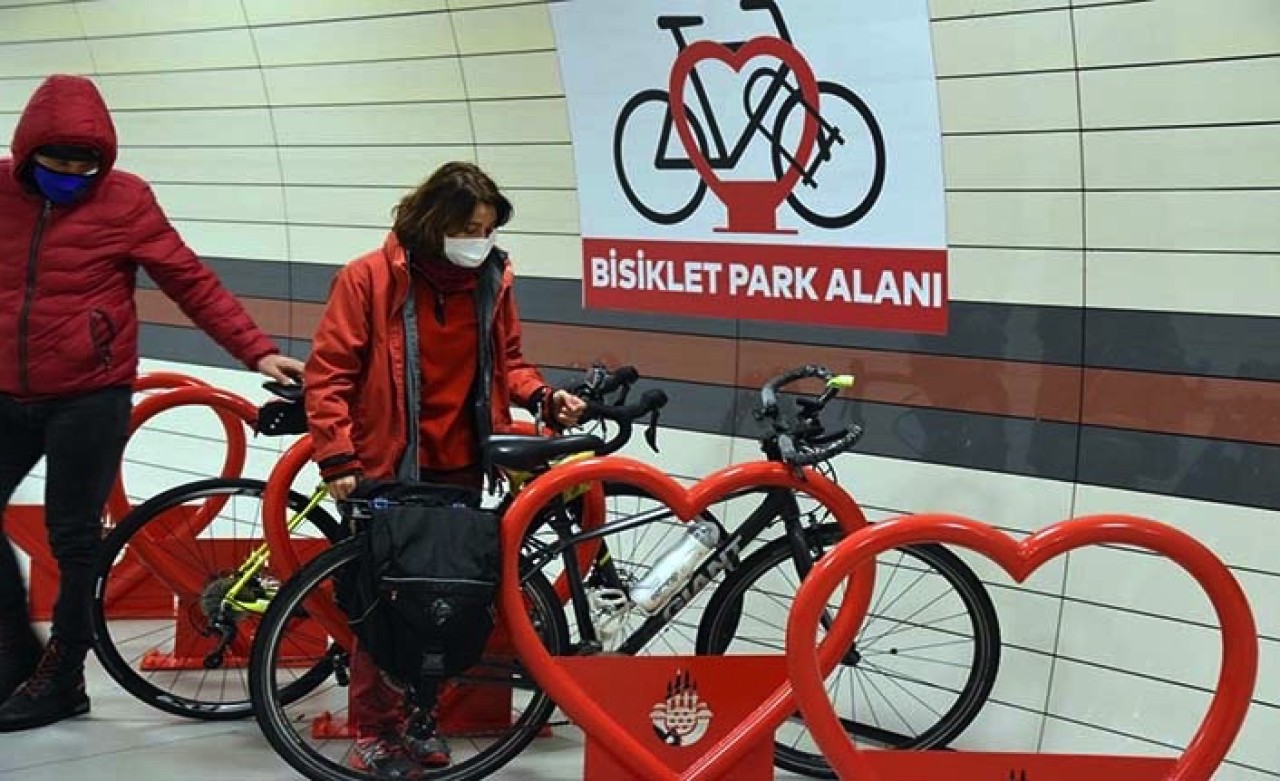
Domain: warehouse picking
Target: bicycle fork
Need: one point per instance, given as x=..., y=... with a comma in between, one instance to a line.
x=805, y=555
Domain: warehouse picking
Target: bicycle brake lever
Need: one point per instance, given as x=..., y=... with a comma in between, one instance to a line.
x=651, y=433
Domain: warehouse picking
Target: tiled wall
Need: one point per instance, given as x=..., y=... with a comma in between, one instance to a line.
x=1113, y=173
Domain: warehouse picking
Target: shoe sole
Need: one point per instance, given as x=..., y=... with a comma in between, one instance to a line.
x=79, y=710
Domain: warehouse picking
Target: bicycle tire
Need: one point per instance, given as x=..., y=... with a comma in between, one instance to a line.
x=110, y=656
x=721, y=623
x=279, y=729
x=628, y=189
x=780, y=166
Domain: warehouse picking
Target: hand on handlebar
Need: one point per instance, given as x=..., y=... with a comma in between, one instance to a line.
x=342, y=487
x=567, y=409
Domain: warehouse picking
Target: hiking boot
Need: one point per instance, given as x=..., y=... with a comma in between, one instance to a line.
x=383, y=757
x=424, y=745
x=54, y=691
x=20, y=651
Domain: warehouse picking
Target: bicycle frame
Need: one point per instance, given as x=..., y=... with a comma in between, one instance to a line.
x=731, y=481
x=778, y=505
x=258, y=559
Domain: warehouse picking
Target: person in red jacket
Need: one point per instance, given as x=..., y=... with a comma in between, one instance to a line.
x=416, y=360
x=73, y=231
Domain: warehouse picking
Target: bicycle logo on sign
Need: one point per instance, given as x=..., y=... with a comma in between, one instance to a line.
x=826, y=147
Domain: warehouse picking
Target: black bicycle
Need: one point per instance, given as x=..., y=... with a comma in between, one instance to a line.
x=926, y=656
x=844, y=121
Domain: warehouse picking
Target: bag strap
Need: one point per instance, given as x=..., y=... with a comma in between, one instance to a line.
x=407, y=469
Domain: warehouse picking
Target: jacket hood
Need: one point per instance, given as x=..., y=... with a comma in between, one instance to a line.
x=65, y=110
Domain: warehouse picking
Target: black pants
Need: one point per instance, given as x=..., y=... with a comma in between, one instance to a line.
x=82, y=438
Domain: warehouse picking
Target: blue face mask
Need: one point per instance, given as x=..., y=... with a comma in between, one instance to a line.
x=60, y=188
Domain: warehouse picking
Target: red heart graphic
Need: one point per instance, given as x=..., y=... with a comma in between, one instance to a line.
x=752, y=205
x=1212, y=740
x=582, y=705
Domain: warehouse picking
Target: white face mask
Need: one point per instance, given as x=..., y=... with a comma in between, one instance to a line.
x=468, y=253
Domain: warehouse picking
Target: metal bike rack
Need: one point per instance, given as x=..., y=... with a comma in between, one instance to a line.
x=1205, y=752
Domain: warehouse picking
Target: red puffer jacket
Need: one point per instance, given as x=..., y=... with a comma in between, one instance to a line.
x=68, y=323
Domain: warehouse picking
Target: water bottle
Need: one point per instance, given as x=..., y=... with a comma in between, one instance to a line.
x=675, y=566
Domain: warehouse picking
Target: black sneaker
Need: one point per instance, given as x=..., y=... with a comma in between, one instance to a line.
x=20, y=652
x=55, y=691
x=424, y=745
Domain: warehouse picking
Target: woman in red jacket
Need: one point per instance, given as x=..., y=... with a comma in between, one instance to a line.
x=416, y=361
x=73, y=231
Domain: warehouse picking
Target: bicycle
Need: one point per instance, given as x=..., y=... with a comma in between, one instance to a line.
x=313, y=738
x=215, y=576
x=832, y=215
x=931, y=637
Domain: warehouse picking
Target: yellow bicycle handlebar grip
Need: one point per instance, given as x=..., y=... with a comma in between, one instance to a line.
x=842, y=381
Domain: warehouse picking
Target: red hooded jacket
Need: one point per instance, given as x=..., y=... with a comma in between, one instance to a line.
x=68, y=323
x=356, y=400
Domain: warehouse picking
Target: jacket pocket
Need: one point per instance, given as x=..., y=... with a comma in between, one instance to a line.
x=102, y=335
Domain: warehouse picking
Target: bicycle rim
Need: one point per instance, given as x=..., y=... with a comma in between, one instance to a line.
x=929, y=648
x=156, y=643
x=309, y=733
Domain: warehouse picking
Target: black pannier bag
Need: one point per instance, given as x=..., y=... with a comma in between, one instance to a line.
x=421, y=598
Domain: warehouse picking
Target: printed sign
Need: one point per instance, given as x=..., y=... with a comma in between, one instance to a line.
x=800, y=181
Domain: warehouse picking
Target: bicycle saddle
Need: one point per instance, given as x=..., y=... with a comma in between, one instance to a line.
x=526, y=453
x=677, y=22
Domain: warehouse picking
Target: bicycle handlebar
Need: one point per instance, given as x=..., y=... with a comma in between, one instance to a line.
x=625, y=416
x=820, y=449
x=769, y=393
x=802, y=442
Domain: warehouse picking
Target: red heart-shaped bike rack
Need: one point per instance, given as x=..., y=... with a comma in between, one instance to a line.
x=583, y=705
x=752, y=206
x=1209, y=746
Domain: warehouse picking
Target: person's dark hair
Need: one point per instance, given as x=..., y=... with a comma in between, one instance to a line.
x=443, y=204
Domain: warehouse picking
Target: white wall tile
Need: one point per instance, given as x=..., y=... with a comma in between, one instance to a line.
x=211, y=165
x=1003, y=44
x=1228, y=284
x=390, y=166
x=41, y=59
x=412, y=123
x=217, y=127
x=507, y=29
x=36, y=23
x=231, y=202
x=371, y=82
x=131, y=17
x=1046, y=277
x=1199, y=221
x=425, y=35
x=174, y=52
x=293, y=11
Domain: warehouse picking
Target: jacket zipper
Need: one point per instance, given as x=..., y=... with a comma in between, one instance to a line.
x=24, y=324
x=439, y=308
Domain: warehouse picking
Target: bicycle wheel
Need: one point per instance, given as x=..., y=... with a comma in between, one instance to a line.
x=931, y=640
x=302, y=733
x=156, y=638
x=853, y=162
x=671, y=194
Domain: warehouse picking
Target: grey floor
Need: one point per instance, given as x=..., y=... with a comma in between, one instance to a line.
x=124, y=739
